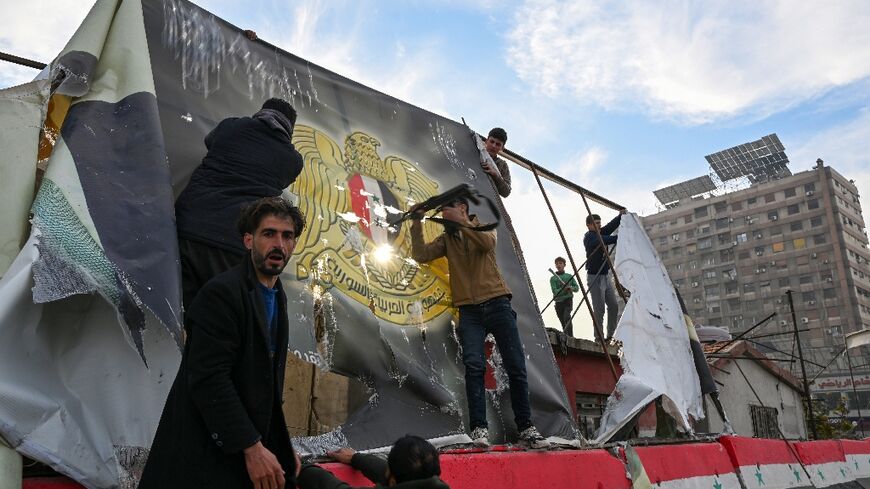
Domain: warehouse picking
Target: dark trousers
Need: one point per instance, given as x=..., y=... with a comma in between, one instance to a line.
x=497, y=317
x=563, y=312
x=201, y=263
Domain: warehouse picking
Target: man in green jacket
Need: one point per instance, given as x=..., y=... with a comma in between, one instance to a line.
x=412, y=464
x=564, y=286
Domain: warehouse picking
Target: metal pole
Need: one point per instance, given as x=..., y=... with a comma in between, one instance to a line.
x=803, y=367
x=855, y=391
x=598, y=331
x=741, y=335
x=21, y=61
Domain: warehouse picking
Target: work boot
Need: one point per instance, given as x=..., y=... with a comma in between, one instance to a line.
x=480, y=437
x=532, y=438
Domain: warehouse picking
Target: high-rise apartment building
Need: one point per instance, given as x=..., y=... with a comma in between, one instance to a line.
x=734, y=256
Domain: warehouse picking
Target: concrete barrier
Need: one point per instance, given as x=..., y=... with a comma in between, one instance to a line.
x=771, y=464
x=826, y=464
x=857, y=453
x=689, y=466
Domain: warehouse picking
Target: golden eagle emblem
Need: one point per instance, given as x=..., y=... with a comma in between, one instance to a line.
x=347, y=198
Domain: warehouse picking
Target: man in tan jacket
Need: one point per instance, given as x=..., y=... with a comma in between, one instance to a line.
x=484, y=302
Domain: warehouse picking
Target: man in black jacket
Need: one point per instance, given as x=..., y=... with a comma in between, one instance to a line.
x=248, y=158
x=222, y=425
x=412, y=464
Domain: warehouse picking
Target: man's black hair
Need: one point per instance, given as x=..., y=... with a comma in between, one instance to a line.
x=498, y=133
x=253, y=213
x=283, y=107
x=413, y=458
x=592, y=218
x=560, y=259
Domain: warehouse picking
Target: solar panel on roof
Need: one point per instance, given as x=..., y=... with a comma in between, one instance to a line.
x=757, y=160
x=689, y=188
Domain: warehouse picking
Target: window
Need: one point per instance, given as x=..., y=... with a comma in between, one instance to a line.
x=704, y=229
x=806, y=279
x=800, y=243
x=769, y=198
x=705, y=243
x=743, y=255
x=820, y=239
x=773, y=215
x=759, y=250
x=808, y=298
x=730, y=273
x=751, y=201
x=590, y=408
x=776, y=230
x=794, y=209
x=785, y=282
x=778, y=247
x=664, y=254
x=675, y=236
x=708, y=259
x=724, y=238
x=711, y=291
x=816, y=221
x=750, y=287
x=813, y=204
x=790, y=192
x=720, y=207
x=690, y=233
x=701, y=211
x=691, y=249
x=764, y=420
x=688, y=219
x=736, y=206
x=722, y=223
x=693, y=264
x=797, y=226
x=726, y=255
x=710, y=274
x=663, y=240
x=731, y=288
x=741, y=238
x=810, y=187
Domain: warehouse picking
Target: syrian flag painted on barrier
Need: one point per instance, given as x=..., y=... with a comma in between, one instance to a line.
x=767, y=463
x=857, y=453
x=826, y=464
x=681, y=466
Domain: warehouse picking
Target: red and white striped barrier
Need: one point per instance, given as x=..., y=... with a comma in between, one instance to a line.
x=857, y=455
x=826, y=464
x=764, y=463
x=689, y=466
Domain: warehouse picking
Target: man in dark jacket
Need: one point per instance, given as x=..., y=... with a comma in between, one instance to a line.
x=412, y=464
x=601, y=288
x=248, y=158
x=222, y=425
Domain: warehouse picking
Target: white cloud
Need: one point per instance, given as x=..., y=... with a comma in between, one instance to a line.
x=842, y=147
x=693, y=62
x=37, y=30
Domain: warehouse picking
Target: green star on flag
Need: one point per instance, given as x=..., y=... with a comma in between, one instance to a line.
x=717, y=484
x=797, y=474
x=759, y=477
x=819, y=471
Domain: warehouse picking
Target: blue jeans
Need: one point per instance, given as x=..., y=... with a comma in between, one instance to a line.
x=494, y=316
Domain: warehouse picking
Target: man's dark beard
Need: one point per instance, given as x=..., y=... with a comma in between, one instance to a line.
x=260, y=262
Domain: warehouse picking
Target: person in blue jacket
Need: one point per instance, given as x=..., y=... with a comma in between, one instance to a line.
x=601, y=287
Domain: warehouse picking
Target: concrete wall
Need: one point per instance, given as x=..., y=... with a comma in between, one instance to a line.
x=737, y=395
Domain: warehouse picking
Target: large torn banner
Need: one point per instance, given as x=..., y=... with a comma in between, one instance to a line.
x=93, y=294
x=656, y=356
x=362, y=308
x=90, y=308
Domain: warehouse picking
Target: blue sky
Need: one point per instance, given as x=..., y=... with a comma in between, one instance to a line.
x=622, y=97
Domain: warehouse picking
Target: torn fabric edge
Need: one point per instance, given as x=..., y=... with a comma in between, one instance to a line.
x=656, y=355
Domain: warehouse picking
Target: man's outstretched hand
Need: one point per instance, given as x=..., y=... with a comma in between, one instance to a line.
x=263, y=468
x=342, y=455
